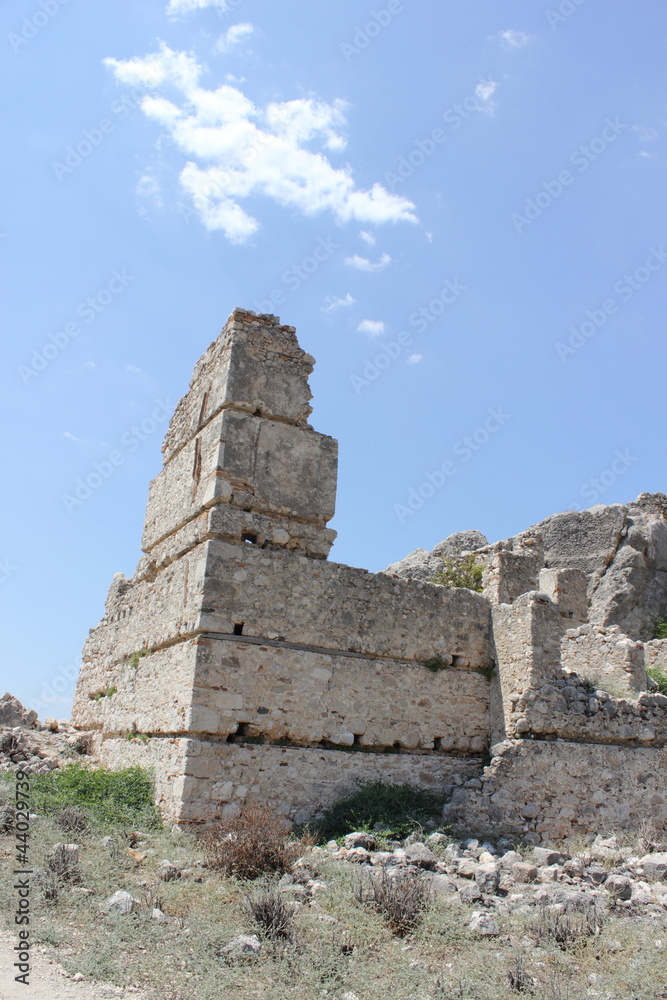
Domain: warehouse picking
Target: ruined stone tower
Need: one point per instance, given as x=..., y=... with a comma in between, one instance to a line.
x=239, y=663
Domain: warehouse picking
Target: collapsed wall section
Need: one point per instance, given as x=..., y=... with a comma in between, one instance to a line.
x=545, y=791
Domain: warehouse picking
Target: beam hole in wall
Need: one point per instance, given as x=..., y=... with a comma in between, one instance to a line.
x=238, y=736
x=437, y=743
x=357, y=740
x=249, y=537
x=238, y=628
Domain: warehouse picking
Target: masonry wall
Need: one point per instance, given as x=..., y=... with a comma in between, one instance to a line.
x=198, y=782
x=545, y=791
x=605, y=655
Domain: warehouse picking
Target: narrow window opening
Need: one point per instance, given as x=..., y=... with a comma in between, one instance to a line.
x=357, y=740
x=238, y=628
x=437, y=743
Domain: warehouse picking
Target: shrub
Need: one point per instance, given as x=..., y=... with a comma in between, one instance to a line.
x=436, y=663
x=565, y=929
x=274, y=915
x=660, y=629
x=517, y=977
x=255, y=843
x=399, y=807
x=116, y=798
x=134, y=658
x=400, y=899
x=660, y=677
x=72, y=820
x=462, y=572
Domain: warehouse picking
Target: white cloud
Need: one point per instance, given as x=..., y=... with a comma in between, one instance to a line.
x=133, y=369
x=186, y=6
x=364, y=264
x=513, y=39
x=373, y=327
x=236, y=150
x=414, y=359
x=484, y=91
x=89, y=364
x=233, y=36
x=367, y=237
x=335, y=302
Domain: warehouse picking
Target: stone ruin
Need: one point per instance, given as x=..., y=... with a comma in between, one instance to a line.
x=241, y=665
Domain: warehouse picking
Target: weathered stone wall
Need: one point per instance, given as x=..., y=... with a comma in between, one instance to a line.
x=655, y=654
x=326, y=604
x=605, y=655
x=280, y=692
x=198, y=782
x=546, y=791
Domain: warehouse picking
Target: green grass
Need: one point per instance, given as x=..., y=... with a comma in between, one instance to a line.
x=111, y=798
x=398, y=807
x=463, y=572
x=436, y=663
x=134, y=658
x=659, y=675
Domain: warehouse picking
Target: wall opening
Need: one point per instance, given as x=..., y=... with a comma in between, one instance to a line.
x=238, y=628
x=249, y=537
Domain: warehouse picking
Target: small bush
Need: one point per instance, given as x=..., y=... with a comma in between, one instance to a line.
x=255, y=843
x=400, y=899
x=517, y=977
x=400, y=808
x=134, y=658
x=274, y=914
x=462, y=572
x=659, y=675
x=116, y=798
x=660, y=629
x=566, y=929
x=72, y=820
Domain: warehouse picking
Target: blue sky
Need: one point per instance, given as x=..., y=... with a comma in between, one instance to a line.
x=459, y=206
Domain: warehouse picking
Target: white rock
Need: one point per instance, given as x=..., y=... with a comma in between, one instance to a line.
x=244, y=944
x=483, y=923
x=120, y=902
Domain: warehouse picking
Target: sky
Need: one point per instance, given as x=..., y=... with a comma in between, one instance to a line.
x=459, y=206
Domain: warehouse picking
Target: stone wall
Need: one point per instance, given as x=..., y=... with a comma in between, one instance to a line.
x=605, y=655
x=655, y=654
x=545, y=791
x=199, y=782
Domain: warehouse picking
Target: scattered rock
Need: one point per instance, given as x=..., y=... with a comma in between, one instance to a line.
x=244, y=944
x=12, y=713
x=545, y=856
x=483, y=924
x=619, y=886
x=421, y=855
x=470, y=893
x=120, y=902
x=167, y=872
x=360, y=839
x=487, y=877
x=654, y=865
x=442, y=885
x=523, y=872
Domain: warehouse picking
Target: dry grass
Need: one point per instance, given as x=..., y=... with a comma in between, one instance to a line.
x=253, y=844
x=273, y=914
x=400, y=899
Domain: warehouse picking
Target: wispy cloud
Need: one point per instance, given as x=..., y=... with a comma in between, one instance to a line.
x=367, y=237
x=233, y=36
x=186, y=6
x=334, y=302
x=364, y=264
x=373, y=327
x=414, y=359
x=484, y=92
x=236, y=150
x=133, y=369
x=513, y=39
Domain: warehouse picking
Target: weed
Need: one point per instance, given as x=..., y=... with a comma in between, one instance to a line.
x=104, y=694
x=255, y=843
x=72, y=820
x=487, y=672
x=659, y=675
x=114, y=798
x=400, y=899
x=274, y=915
x=134, y=658
x=566, y=929
x=436, y=663
x=517, y=977
x=660, y=629
x=462, y=572
x=398, y=807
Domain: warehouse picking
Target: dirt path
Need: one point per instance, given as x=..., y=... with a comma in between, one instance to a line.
x=47, y=981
